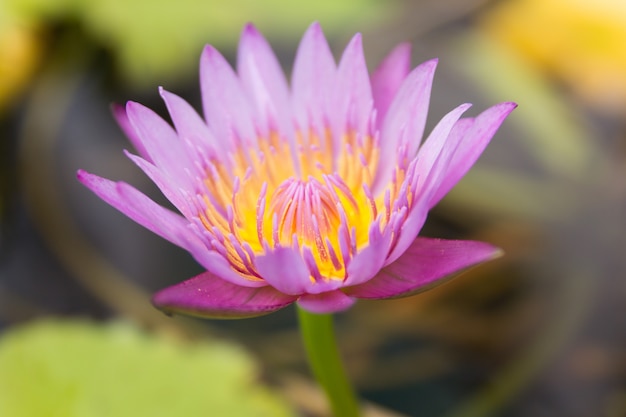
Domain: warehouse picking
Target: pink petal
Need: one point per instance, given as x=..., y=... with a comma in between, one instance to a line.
x=472, y=137
x=408, y=231
x=226, y=107
x=119, y=112
x=352, y=101
x=436, y=153
x=405, y=121
x=160, y=142
x=284, y=269
x=326, y=303
x=218, y=265
x=164, y=223
x=368, y=261
x=263, y=78
x=209, y=296
x=191, y=128
x=432, y=157
x=165, y=184
x=313, y=79
x=141, y=209
x=388, y=77
x=425, y=264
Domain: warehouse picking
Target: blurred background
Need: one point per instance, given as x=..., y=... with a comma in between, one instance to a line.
x=539, y=332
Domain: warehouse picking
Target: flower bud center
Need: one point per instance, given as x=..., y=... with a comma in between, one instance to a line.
x=306, y=209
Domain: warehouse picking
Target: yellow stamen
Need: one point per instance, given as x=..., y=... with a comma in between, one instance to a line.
x=277, y=199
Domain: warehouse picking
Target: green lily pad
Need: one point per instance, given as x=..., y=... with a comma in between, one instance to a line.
x=80, y=369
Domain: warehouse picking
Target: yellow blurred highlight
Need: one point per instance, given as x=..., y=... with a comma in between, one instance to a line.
x=579, y=41
x=20, y=51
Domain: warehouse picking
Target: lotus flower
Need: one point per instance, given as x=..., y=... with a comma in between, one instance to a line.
x=312, y=193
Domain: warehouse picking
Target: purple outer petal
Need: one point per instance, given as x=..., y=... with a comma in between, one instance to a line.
x=388, y=77
x=164, y=223
x=140, y=208
x=472, y=137
x=425, y=264
x=445, y=157
x=430, y=162
x=263, y=78
x=227, y=110
x=160, y=142
x=219, y=266
x=408, y=232
x=190, y=127
x=284, y=269
x=405, y=121
x=312, y=80
x=326, y=302
x=436, y=153
x=209, y=296
x=165, y=185
x=352, y=101
x=368, y=261
x=119, y=112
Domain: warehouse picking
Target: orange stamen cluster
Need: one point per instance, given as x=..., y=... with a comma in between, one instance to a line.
x=298, y=195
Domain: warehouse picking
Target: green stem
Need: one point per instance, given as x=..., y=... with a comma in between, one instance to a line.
x=321, y=348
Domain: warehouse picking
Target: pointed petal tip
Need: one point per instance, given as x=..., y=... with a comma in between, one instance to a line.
x=132, y=107
x=424, y=71
x=168, y=97
x=314, y=30
x=250, y=28
x=208, y=52
x=80, y=174
x=427, y=68
x=315, y=26
x=250, y=34
x=137, y=115
x=431, y=63
x=355, y=46
x=497, y=253
x=506, y=106
x=509, y=106
x=83, y=176
x=118, y=110
x=497, y=113
x=464, y=107
x=356, y=41
x=88, y=179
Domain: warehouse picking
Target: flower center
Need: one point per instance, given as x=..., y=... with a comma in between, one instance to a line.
x=305, y=210
x=280, y=196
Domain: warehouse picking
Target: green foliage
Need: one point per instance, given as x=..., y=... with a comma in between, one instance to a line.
x=154, y=39
x=79, y=369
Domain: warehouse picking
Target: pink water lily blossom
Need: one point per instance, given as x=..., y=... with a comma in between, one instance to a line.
x=313, y=192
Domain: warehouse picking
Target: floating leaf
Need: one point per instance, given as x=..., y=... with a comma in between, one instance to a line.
x=80, y=369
